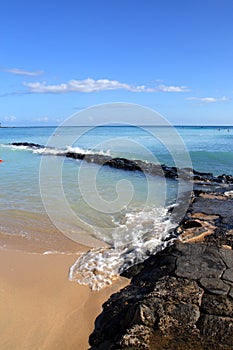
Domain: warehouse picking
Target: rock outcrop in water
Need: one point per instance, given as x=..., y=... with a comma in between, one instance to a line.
x=181, y=298
x=27, y=144
x=135, y=165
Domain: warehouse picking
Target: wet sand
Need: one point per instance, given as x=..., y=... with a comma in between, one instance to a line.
x=40, y=308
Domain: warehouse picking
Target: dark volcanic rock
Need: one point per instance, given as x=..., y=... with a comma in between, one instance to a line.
x=137, y=337
x=178, y=291
x=217, y=305
x=181, y=298
x=215, y=285
x=142, y=166
x=27, y=144
x=212, y=206
x=202, y=262
x=226, y=255
x=221, y=236
x=220, y=329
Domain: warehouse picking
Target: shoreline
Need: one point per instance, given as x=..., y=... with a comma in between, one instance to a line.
x=181, y=297
x=40, y=308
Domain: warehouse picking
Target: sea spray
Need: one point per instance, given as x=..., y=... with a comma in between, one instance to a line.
x=40, y=149
x=141, y=235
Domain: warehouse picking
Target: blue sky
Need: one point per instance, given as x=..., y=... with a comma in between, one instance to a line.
x=175, y=56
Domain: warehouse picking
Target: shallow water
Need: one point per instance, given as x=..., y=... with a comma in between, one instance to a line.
x=96, y=205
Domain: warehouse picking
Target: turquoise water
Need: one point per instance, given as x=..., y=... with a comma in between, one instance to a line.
x=42, y=192
x=210, y=150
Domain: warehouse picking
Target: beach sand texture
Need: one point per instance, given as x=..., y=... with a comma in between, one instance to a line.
x=40, y=308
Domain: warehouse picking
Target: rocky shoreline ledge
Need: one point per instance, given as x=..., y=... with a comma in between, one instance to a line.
x=182, y=297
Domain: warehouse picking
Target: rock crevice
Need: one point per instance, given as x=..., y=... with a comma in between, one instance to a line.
x=181, y=298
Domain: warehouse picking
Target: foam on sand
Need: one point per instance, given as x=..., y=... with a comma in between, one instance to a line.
x=140, y=235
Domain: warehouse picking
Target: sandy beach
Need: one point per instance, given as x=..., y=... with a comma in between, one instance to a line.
x=40, y=308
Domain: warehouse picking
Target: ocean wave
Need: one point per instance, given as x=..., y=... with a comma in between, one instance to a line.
x=138, y=235
x=68, y=149
x=14, y=147
x=58, y=252
x=79, y=150
x=50, y=151
x=43, y=150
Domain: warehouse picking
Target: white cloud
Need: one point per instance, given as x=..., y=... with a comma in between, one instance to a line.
x=172, y=88
x=91, y=85
x=86, y=85
x=18, y=71
x=42, y=119
x=10, y=118
x=208, y=99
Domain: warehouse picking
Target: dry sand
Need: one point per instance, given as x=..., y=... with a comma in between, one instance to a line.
x=40, y=308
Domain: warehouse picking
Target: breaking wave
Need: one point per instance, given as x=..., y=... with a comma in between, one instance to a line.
x=18, y=147
x=63, y=152
x=43, y=150
x=87, y=151
x=138, y=235
x=135, y=233
x=50, y=151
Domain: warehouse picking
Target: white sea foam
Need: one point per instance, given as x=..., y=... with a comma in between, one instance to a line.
x=229, y=193
x=57, y=151
x=58, y=252
x=87, y=151
x=50, y=151
x=138, y=235
x=63, y=152
x=14, y=147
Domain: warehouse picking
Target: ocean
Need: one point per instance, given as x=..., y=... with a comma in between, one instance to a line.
x=122, y=215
